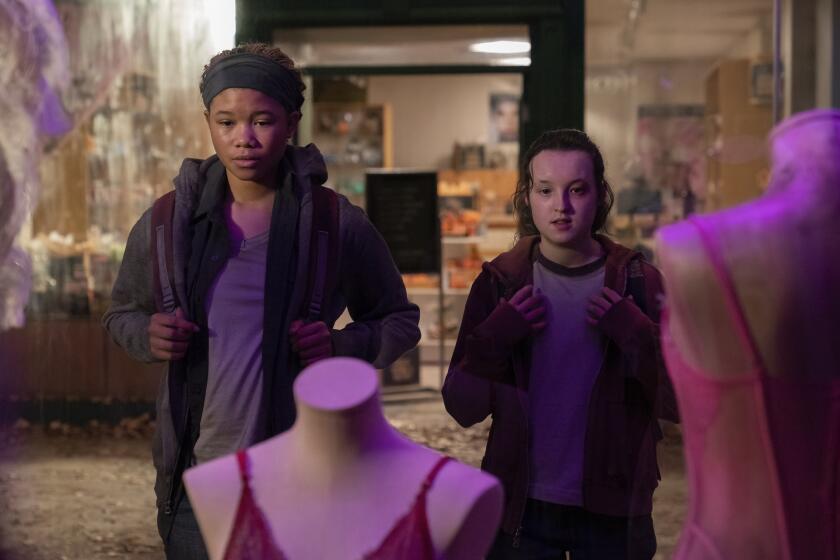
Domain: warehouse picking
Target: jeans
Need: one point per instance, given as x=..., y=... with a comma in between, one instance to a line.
x=184, y=541
x=550, y=531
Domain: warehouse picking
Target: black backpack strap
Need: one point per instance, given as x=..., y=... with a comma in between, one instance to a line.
x=323, y=252
x=163, y=266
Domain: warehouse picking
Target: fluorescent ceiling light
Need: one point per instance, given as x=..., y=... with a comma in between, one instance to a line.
x=515, y=61
x=501, y=47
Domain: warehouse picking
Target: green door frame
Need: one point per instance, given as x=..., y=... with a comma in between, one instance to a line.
x=553, y=92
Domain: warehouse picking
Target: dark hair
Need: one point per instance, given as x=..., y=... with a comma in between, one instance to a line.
x=562, y=140
x=260, y=49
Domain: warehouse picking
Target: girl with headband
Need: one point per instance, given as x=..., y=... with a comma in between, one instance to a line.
x=227, y=295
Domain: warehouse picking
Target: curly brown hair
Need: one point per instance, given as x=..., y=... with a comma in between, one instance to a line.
x=260, y=49
x=562, y=140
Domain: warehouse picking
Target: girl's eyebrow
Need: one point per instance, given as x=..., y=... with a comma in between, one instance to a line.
x=568, y=184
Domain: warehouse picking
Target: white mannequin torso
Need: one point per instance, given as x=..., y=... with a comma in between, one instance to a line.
x=336, y=483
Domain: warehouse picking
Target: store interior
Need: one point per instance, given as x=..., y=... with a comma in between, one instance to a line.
x=681, y=117
x=678, y=94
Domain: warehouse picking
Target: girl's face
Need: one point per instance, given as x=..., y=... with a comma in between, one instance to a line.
x=249, y=131
x=563, y=198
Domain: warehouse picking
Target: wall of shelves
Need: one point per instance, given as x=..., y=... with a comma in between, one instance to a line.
x=353, y=137
x=487, y=231
x=736, y=126
x=474, y=206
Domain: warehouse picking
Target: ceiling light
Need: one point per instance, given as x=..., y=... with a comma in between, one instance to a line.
x=501, y=47
x=515, y=61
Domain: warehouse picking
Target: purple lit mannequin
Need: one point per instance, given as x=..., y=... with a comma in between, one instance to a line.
x=339, y=479
x=752, y=342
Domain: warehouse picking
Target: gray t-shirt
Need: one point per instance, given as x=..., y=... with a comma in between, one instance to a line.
x=565, y=360
x=234, y=373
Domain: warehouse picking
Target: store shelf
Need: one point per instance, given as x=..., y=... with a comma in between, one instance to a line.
x=454, y=240
x=353, y=137
x=422, y=291
x=456, y=291
x=732, y=118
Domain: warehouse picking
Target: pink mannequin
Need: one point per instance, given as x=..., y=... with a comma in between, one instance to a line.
x=338, y=480
x=752, y=343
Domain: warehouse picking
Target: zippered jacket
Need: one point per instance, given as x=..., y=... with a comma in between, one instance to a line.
x=490, y=368
x=384, y=323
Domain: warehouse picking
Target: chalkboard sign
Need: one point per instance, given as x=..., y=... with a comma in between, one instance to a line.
x=404, y=208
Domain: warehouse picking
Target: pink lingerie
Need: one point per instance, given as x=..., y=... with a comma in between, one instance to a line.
x=763, y=452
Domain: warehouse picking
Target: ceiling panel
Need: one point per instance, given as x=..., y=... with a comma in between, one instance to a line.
x=670, y=29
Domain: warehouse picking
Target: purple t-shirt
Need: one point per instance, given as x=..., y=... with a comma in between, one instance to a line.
x=565, y=360
x=234, y=372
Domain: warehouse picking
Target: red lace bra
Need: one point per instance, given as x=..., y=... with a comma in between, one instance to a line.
x=251, y=539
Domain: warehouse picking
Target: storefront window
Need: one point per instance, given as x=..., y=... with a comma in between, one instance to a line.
x=679, y=97
x=136, y=114
x=444, y=99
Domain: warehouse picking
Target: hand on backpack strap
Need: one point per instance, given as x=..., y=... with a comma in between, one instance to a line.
x=311, y=341
x=601, y=304
x=616, y=316
x=169, y=335
x=529, y=302
x=511, y=321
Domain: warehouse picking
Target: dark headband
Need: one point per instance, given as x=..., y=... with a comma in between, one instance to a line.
x=251, y=71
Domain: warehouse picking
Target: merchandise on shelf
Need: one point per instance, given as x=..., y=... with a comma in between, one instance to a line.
x=352, y=137
x=72, y=278
x=451, y=322
x=420, y=281
x=459, y=208
x=461, y=272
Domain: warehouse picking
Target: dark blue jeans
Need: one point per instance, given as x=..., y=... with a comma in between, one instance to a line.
x=550, y=531
x=184, y=541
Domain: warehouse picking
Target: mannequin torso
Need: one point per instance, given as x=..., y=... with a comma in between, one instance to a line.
x=753, y=344
x=336, y=483
x=780, y=251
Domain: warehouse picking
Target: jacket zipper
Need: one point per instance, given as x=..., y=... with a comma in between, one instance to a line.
x=167, y=507
x=516, y=537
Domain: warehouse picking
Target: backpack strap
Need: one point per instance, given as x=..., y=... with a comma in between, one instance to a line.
x=162, y=257
x=666, y=402
x=323, y=252
x=636, y=283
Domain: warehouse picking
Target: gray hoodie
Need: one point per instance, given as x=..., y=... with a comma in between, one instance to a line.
x=384, y=322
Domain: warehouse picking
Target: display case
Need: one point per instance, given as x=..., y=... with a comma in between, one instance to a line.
x=353, y=137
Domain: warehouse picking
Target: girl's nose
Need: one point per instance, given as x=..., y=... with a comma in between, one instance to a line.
x=561, y=203
x=245, y=136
